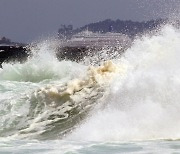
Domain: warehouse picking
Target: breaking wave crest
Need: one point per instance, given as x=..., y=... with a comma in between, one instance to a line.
x=134, y=96
x=52, y=97
x=144, y=103
x=42, y=66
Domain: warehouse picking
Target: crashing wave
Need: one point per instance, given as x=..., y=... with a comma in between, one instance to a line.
x=58, y=109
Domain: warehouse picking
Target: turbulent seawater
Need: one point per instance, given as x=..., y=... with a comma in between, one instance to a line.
x=128, y=104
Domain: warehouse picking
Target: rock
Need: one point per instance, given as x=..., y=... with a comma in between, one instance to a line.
x=13, y=53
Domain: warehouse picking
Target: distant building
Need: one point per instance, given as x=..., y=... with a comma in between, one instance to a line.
x=65, y=32
x=4, y=40
x=90, y=39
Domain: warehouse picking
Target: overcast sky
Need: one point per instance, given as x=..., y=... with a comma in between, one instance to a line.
x=29, y=20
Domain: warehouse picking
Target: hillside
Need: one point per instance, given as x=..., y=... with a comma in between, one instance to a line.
x=130, y=28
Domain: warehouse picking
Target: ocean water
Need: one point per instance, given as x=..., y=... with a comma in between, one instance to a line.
x=126, y=104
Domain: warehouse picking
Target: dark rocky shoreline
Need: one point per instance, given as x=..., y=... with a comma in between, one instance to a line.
x=21, y=53
x=123, y=32
x=13, y=53
x=75, y=49
x=76, y=53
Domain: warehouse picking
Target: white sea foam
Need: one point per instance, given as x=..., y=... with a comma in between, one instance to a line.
x=138, y=94
x=144, y=103
x=43, y=65
x=49, y=92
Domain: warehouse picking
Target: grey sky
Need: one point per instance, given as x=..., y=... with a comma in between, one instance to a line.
x=28, y=20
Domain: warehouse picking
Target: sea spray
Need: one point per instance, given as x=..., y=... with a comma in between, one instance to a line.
x=43, y=65
x=60, y=102
x=19, y=81
x=137, y=94
x=144, y=103
x=58, y=109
